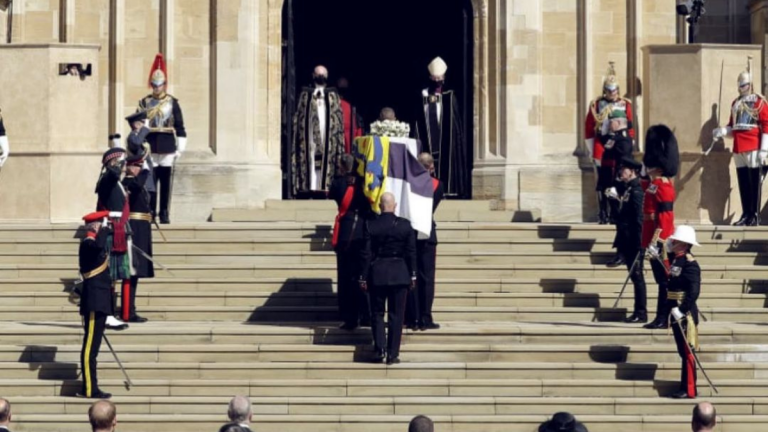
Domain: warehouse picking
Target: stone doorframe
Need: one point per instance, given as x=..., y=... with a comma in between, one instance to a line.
x=489, y=98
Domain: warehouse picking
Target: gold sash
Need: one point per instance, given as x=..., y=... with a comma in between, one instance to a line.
x=97, y=271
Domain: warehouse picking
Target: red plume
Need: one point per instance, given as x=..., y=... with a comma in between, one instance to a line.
x=159, y=63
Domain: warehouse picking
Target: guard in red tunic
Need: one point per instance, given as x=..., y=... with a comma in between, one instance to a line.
x=661, y=161
x=596, y=132
x=748, y=126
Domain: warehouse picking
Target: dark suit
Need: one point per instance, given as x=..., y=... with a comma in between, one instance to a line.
x=420, y=300
x=353, y=302
x=683, y=292
x=628, y=239
x=389, y=264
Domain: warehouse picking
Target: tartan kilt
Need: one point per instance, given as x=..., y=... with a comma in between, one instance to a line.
x=119, y=263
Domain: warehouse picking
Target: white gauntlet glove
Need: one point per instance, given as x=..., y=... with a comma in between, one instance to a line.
x=653, y=251
x=181, y=146
x=612, y=193
x=676, y=314
x=5, y=149
x=721, y=132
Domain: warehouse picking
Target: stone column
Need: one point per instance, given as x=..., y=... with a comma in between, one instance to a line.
x=758, y=10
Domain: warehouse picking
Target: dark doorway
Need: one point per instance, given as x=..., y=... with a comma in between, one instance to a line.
x=383, y=48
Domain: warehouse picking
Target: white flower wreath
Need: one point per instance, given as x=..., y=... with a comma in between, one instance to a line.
x=390, y=128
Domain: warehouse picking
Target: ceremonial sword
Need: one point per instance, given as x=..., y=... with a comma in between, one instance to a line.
x=719, y=102
x=695, y=357
x=654, y=240
x=149, y=258
x=128, y=381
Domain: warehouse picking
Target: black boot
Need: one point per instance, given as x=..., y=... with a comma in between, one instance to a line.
x=742, y=175
x=754, y=205
x=602, y=215
x=165, y=176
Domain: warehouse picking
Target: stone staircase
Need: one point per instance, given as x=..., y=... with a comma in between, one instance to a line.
x=249, y=308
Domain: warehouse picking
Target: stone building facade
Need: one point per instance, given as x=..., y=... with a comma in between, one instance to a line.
x=537, y=64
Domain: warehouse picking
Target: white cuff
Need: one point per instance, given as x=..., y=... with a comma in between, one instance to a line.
x=727, y=132
x=116, y=214
x=764, y=143
x=181, y=144
x=590, y=144
x=5, y=149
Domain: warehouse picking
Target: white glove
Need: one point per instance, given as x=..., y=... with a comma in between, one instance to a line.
x=653, y=251
x=721, y=132
x=763, y=153
x=589, y=144
x=676, y=314
x=181, y=145
x=612, y=193
x=5, y=149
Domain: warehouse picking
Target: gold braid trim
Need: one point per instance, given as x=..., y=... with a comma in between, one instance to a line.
x=753, y=113
x=693, y=333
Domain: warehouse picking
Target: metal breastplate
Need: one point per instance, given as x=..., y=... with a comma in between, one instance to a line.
x=160, y=112
x=746, y=112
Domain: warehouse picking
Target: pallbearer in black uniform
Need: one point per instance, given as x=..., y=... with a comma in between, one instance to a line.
x=138, y=176
x=354, y=210
x=441, y=132
x=95, y=299
x=419, y=310
x=389, y=263
x=167, y=137
x=629, y=230
x=684, y=288
x=113, y=198
x=5, y=148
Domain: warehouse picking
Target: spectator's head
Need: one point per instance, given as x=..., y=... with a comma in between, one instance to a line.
x=421, y=423
x=240, y=410
x=103, y=416
x=427, y=161
x=387, y=113
x=233, y=427
x=704, y=417
x=320, y=75
x=5, y=412
x=387, y=203
x=346, y=164
x=562, y=422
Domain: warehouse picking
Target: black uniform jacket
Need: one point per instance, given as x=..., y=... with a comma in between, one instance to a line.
x=141, y=229
x=352, y=224
x=622, y=146
x=630, y=220
x=94, y=268
x=685, y=277
x=111, y=195
x=389, y=255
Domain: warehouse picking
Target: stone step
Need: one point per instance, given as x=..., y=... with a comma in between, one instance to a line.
x=328, y=213
x=382, y=423
x=208, y=335
x=158, y=298
x=670, y=371
x=449, y=205
x=451, y=271
x=446, y=258
x=455, y=230
x=263, y=407
x=310, y=286
x=388, y=387
x=323, y=243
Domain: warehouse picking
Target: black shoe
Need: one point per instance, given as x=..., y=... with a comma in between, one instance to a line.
x=413, y=326
x=393, y=360
x=742, y=221
x=365, y=323
x=348, y=326
x=618, y=260
x=682, y=394
x=636, y=318
x=655, y=324
x=751, y=222
x=98, y=394
x=137, y=319
x=164, y=218
x=430, y=326
x=378, y=356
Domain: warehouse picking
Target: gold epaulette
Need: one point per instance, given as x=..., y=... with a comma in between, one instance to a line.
x=665, y=180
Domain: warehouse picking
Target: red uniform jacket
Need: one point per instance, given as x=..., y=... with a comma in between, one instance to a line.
x=352, y=130
x=658, y=211
x=593, y=127
x=748, y=131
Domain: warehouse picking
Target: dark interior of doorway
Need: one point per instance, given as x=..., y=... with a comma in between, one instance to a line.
x=383, y=48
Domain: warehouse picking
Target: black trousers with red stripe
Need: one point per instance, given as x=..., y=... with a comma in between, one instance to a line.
x=688, y=369
x=128, y=298
x=93, y=324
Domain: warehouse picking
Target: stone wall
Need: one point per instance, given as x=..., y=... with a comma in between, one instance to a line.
x=537, y=66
